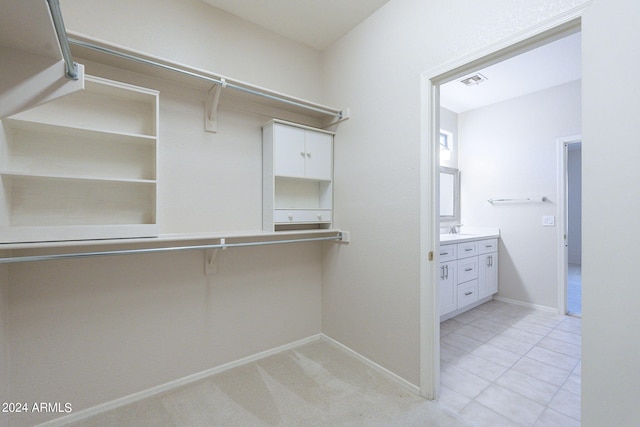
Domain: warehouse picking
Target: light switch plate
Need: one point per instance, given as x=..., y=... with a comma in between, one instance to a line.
x=548, y=221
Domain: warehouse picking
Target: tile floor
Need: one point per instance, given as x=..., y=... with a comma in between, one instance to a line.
x=508, y=365
x=574, y=289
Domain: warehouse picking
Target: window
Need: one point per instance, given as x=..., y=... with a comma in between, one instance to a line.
x=445, y=145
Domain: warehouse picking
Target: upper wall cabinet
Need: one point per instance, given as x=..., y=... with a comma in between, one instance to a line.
x=83, y=166
x=32, y=68
x=297, y=176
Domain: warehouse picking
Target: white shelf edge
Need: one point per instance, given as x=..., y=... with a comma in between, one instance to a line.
x=26, y=124
x=167, y=239
x=75, y=177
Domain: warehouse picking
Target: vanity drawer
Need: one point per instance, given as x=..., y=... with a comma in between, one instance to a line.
x=467, y=269
x=467, y=293
x=448, y=252
x=467, y=249
x=487, y=246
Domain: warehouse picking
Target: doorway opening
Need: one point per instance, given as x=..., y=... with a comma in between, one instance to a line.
x=431, y=130
x=570, y=231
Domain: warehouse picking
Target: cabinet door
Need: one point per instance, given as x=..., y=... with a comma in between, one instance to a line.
x=288, y=151
x=488, y=275
x=448, y=287
x=319, y=155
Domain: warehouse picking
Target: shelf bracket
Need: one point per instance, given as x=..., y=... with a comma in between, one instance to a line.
x=211, y=258
x=211, y=107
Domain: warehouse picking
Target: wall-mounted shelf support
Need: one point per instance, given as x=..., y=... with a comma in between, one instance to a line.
x=58, y=23
x=211, y=107
x=110, y=54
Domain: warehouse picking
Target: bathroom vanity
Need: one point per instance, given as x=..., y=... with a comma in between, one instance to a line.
x=468, y=271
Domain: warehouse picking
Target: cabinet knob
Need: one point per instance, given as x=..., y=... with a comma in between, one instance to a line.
x=302, y=153
x=320, y=217
x=308, y=154
x=290, y=217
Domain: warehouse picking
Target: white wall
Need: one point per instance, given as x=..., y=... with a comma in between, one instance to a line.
x=4, y=348
x=574, y=203
x=509, y=150
x=92, y=330
x=611, y=196
x=371, y=289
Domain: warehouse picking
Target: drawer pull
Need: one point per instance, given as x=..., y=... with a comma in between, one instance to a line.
x=468, y=269
x=468, y=249
x=468, y=293
x=488, y=246
x=444, y=253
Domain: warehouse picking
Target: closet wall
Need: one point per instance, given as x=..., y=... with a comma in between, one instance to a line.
x=87, y=331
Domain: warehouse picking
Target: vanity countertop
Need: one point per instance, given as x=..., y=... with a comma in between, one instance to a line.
x=470, y=235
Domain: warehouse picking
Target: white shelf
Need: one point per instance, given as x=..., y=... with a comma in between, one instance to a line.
x=74, y=178
x=81, y=167
x=165, y=240
x=269, y=103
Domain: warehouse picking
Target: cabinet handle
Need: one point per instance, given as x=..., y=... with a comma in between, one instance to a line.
x=444, y=253
x=468, y=269
x=488, y=246
x=468, y=293
x=491, y=258
x=468, y=249
x=447, y=270
x=489, y=261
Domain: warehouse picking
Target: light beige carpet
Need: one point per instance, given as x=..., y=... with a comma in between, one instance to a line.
x=317, y=384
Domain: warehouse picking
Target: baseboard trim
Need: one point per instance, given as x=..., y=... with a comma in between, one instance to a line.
x=103, y=407
x=126, y=400
x=373, y=365
x=526, y=304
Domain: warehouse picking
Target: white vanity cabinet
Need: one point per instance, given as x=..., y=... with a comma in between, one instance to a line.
x=488, y=268
x=297, y=168
x=448, y=288
x=468, y=274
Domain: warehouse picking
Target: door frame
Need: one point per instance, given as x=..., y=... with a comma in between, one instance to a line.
x=563, y=218
x=430, y=81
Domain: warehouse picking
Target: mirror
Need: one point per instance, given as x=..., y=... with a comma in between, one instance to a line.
x=449, y=194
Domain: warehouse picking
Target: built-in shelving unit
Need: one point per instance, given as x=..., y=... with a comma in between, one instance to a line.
x=83, y=166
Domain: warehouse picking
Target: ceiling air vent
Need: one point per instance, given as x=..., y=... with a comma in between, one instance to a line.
x=473, y=80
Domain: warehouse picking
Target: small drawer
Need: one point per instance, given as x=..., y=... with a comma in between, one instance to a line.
x=293, y=216
x=467, y=293
x=467, y=249
x=447, y=252
x=487, y=246
x=467, y=269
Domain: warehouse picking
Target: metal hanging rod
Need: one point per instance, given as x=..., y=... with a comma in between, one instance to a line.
x=524, y=200
x=221, y=245
x=221, y=81
x=70, y=66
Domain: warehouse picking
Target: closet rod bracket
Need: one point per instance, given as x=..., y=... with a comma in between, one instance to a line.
x=211, y=107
